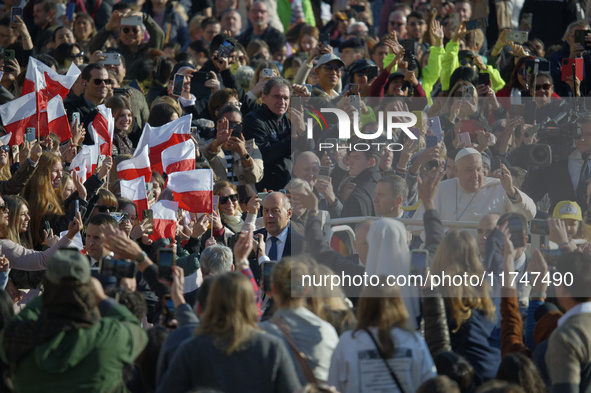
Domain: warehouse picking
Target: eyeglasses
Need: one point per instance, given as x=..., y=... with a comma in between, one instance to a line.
x=99, y=81
x=6, y=148
x=233, y=198
x=3, y=208
x=104, y=209
x=74, y=57
x=545, y=86
x=333, y=67
x=127, y=30
x=394, y=23
x=235, y=104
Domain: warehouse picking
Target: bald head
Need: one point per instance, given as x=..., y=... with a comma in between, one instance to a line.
x=306, y=167
x=276, y=213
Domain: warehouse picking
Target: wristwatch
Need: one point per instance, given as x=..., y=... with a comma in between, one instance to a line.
x=245, y=157
x=141, y=257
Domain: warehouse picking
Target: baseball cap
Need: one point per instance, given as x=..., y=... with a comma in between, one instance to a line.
x=67, y=264
x=327, y=58
x=360, y=65
x=568, y=209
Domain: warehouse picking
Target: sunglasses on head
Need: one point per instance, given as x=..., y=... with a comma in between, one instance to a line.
x=224, y=200
x=133, y=30
x=104, y=209
x=545, y=86
x=6, y=148
x=99, y=81
x=333, y=67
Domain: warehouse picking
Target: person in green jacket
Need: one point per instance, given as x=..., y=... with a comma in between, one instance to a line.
x=73, y=338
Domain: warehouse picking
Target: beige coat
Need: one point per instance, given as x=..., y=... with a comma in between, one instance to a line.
x=245, y=175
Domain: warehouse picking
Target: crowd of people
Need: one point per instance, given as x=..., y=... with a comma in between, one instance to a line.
x=448, y=137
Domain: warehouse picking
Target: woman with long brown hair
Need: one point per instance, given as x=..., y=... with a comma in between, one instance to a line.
x=229, y=352
x=381, y=332
x=123, y=116
x=42, y=192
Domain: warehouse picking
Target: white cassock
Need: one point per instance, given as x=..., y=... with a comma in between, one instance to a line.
x=455, y=204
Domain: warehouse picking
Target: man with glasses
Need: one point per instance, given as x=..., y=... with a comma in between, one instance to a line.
x=329, y=70
x=96, y=86
x=131, y=38
x=397, y=22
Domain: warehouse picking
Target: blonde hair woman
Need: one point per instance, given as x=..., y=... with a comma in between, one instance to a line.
x=229, y=350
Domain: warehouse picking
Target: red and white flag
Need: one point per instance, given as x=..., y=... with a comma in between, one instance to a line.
x=159, y=138
x=84, y=164
x=136, y=167
x=17, y=115
x=193, y=190
x=164, y=219
x=43, y=79
x=102, y=128
x=179, y=158
x=6, y=139
x=57, y=119
x=135, y=190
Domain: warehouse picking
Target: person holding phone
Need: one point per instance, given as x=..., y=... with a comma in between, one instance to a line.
x=130, y=43
x=104, y=340
x=229, y=154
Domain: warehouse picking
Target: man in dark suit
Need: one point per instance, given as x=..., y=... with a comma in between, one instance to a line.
x=278, y=238
x=564, y=180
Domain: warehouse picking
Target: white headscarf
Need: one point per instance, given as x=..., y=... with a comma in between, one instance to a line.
x=388, y=254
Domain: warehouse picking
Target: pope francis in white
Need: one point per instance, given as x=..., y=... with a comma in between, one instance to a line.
x=471, y=195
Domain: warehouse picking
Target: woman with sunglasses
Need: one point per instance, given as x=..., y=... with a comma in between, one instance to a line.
x=230, y=212
x=67, y=54
x=131, y=225
x=230, y=156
